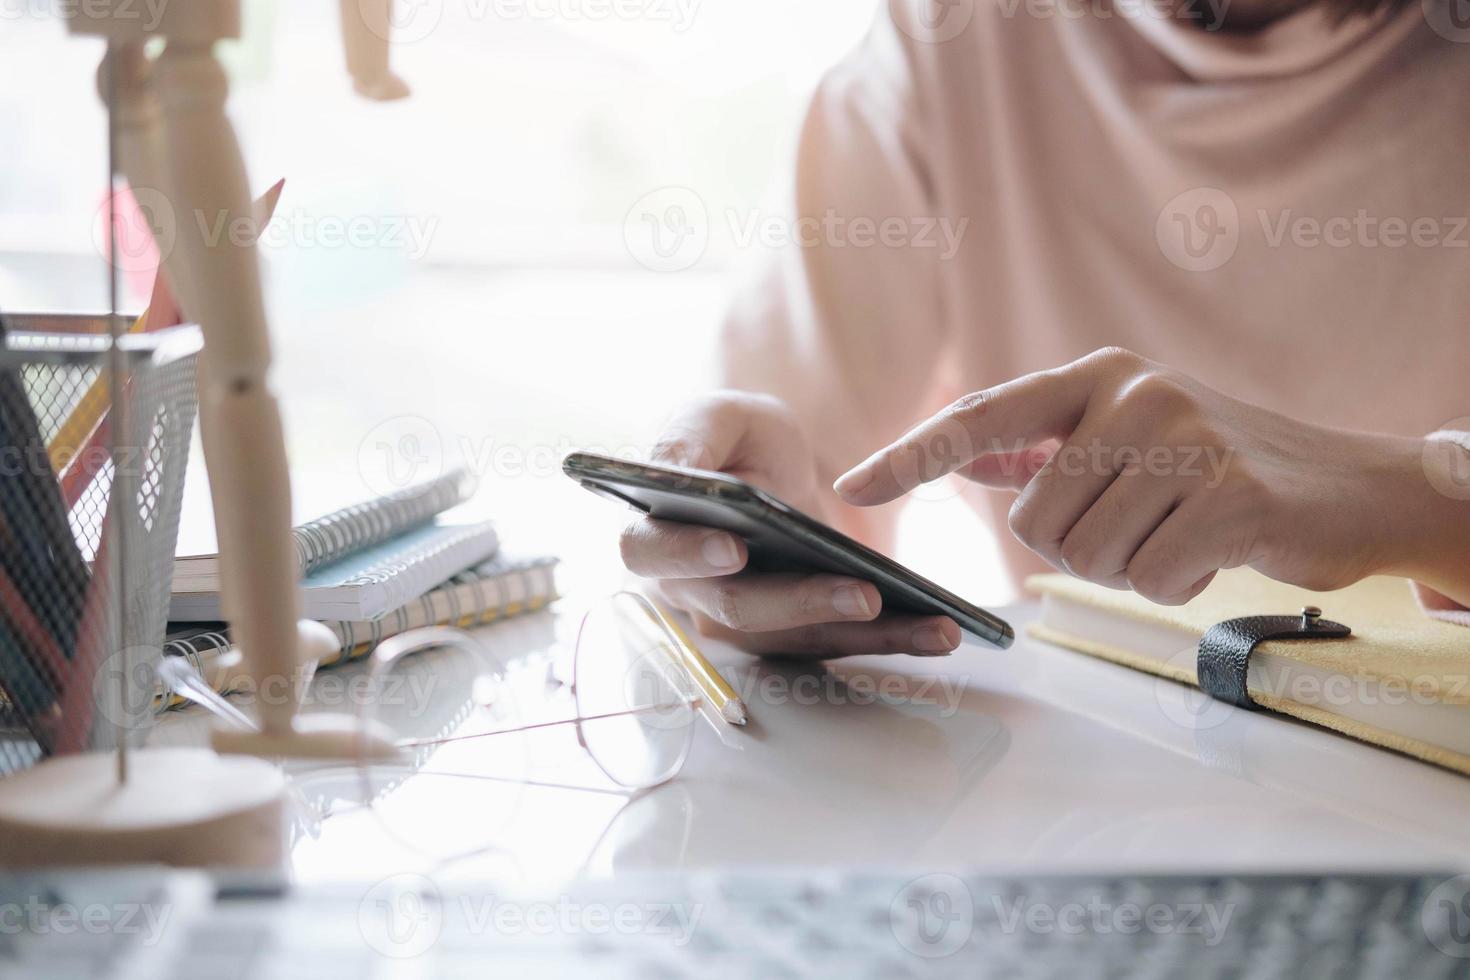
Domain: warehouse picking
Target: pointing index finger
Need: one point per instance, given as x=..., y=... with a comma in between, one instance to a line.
x=1003, y=419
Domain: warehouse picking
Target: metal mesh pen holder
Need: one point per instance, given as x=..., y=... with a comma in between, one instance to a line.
x=93, y=479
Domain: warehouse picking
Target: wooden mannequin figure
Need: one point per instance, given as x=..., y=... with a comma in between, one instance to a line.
x=197, y=807
x=174, y=137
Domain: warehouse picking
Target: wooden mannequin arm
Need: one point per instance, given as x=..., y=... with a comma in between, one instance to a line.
x=367, y=26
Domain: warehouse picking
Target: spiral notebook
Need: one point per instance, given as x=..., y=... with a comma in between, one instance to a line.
x=370, y=583
x=361, y=561
x=493, y=590
x=330, y=538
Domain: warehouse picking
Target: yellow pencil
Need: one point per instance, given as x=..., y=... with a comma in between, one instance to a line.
x=89, y=410
x=721, y=695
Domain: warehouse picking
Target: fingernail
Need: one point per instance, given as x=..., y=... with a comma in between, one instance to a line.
x=854, y=480
x=849, y=600
x=931, y=639
x=720, y=551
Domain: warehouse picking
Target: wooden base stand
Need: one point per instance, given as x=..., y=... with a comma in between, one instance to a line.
x=182, y=807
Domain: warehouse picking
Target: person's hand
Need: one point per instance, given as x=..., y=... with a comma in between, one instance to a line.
x=1136, y=476
x=702, y=570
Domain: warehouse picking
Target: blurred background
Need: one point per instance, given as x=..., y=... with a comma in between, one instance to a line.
x=467, y=275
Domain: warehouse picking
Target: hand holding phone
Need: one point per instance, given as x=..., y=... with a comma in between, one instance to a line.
x=757, y=602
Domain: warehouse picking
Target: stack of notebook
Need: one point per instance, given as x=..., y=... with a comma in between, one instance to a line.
x=371, y=571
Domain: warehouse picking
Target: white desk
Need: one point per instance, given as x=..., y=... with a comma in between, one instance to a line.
x=1032, y=759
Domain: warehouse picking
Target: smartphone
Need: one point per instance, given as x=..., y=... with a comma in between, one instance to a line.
x=779, y=537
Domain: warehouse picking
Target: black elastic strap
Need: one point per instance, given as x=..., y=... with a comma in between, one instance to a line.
x=1225, y=649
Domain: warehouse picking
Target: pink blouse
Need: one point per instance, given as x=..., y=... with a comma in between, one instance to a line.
x=1000, y=186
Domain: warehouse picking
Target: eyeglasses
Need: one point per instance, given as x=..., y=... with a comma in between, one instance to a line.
x=478, y=734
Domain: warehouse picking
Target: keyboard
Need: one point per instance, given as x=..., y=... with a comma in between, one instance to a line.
x=787, y=923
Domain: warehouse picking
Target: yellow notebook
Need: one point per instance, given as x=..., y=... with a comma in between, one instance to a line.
x=1401, y=681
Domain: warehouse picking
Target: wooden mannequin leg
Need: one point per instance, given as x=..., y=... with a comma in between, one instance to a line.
x=245, y=445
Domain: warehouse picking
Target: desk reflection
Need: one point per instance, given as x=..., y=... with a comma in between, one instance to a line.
x=826, y=743
x=1035, y=759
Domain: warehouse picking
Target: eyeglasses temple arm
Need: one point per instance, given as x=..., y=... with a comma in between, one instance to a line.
x=692, y=702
